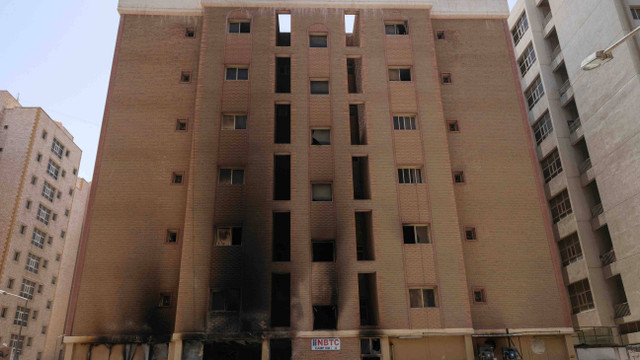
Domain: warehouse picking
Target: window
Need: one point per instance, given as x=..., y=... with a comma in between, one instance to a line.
x=67, y=153
x=422, y=298
x=521, y=27
x=323, y=251
x=527, y=60
x=458, y=177
x=58, y=256
x=410, y=176
x=281, y=235
x=580, y=296
x=367, y=294
x=58, y=195
x=44, y=134
x=283, y=75
x=282, y=177
x=396, y=28
x=10, y=283
x=319, y=87
x=239, y=27
x=560, y=206
x=534, y=93
x=54, y=280
x=57, y=148
x=3, y=312
x=190, y=32
x=360, y=176
x=35, y=315
x=29, y=341
x=280, y=349
x=551, y=166
x=66, y=212
x=37, y=238
x=282, y=124
x=283, y=30
x=231, y=176
x=280, y=300
x=181, y=125
x=164, y=300
x=225, y=300
x=320, y=137
x=23, y=229
x=172, y=236
x=27, y=289
x=49, y=303
x=43, y=214
x=318, y=41
x=234, y=122
x=352, y=29
x=470, y=234
x=50, y=240
x=185, y=76
x=54, y=217
x=440, y=35
x=364, y=236
x=321, y=192
x=63, y=173
x=16, y=256
x=176, y=178
x=33, y=263
x=453, y=126
x=370, y=349
x=28, y=205
x=44, y=331
x=22, y=316
x=229, y=236
x=16, y=342
x=34, y=180
x=39, y=289
x=237, y=73
x=570, y=250
x=45, y=263
x=542, y=128
x=404, y=122
x=635, y=12
x=354, y=75
x=48, y=191
x=400, y=74
x=479, y=296
x=53, y=169
x=38, y=157
x=325, y=317
x=416, y=234
x=446, y=78
x=357, y=124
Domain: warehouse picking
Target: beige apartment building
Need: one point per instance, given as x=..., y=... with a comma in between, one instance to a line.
x=316, y=191
x=41, y=214
x=587, y=130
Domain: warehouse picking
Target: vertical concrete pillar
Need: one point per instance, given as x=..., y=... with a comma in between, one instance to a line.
x=571, y=351
x=265, y=349
x=468, y=347
x=386, y=348
x=175, y=350
x=68, y=352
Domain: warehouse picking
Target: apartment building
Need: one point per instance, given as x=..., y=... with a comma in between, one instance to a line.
x=585, y=125
x=316, y=180
x=38, y=173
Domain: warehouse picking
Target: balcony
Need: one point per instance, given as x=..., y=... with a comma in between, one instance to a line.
x=546, y=19
x=608, y=258
x=566, y=93
x=547, y=25
x=576, y=133
x=595, y=336
x=597, y=210
x=586, y=165
x=556, y=51
x=621, y=310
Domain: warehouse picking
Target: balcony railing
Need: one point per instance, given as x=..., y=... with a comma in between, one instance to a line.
x=555, y=52
x=596, y=336
x=586, y=165
x=546, y=19
x=574, y=125
x=597, y=210
x=608, y=258
x=565, y=87
x=621, y=310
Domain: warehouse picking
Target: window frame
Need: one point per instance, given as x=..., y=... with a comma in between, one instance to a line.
x=371, y=354
x=570, y=250
x=311, y=130
x=180, y=122
x=458, y=174
x=48, y=191
x=415, y=234
x=53, y=169
x=235, y=117
x=534, y=93
x=635, y=12
x=399, y=69
x=319, y=35
x=240, y=27
x=414, y=173
x=225, y=293
x=396, y=29
x=321, y=183
x=170, y=231
x=27, y=289
x=232, y=242
x=583, y=297
x=47, y=214
x=236, y=69
x=400, y=122
x=175, y=175
x=233, y=170
x=40, y=234
x=423, y=303
x=526, y=61
x=319, y=80
x=57, y=148
x=483, y=291
x=470, y=230
x=558, y=206
x=542, y=128
x=551, y=166
x=446, y=78
x=33, y=263
x=520, y=28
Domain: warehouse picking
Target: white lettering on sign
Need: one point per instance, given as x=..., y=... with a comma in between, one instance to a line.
x=325, y=344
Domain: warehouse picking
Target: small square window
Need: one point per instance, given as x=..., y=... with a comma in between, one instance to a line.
x=165, y=300
x=470, y=233
x=177, y=178
x=10, y=284
x=458, y=177
x=67, y=153
x=190, y=32
x=23, y=229
x=6, y=127
x=320, y=137
x=479, y=296
x=321, y=192
x=185, y=77
x=453, y=126
x=440, y=35
x=446, y=78
x=172, y=236
x=318, y=41
x=181, y=125
x=38, y=157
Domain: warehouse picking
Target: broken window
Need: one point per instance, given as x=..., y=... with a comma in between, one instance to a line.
x=364, y=238
x=283, y=30
x=368, y=299
x=360, y=172
x=239, y=26
x=321, y=192
x=318, y=41
x=370, y=349
x=237, y=73
x=395, y=28
x=283, y=74
x=422, y=298
x=280, y=300
x=283, y=124
x=282, y=177
x=225, y=300
x=357, y=124
x=325, y=317
x=352, y=29
x=229, y=236
x=319, y=87
x=231, y=176
x=323, y=251
x=354, y=77
x=320, y=137
x=234, y=122
x=400, y=74
x=404, y=122
x=416, y=234
x=280, y=349
x=281, y=236
x=410, y=176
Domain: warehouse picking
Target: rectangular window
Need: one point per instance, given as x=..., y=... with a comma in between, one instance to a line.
x=27, y=289
x=283, y=30
x=395, y=28
x=43, y=214
x=280, y=300
x=453, y=126
x=354, y=77
x=551, y=166
x=470, y=233
x=10, y=283
x=360, y=173
x=325, y=317
x=283, y=75
x=320, y=137
x=321, y=192
x=527, y=60
x=446, y=78
x=520, y=28
x=185, y=76
x=164, y=300
x=234, y=122
x=560, y=206
x=364, y=236
x=404, y=122
x=635, y=12
x=458, y=177
x=281, y=234
x=57, y=148
x=319, y=87
x=237, y=73
x=190, y=32
x=416, y=234
x=16, y=342
x=422, y=298
x=231, y=176
x=22, y=316
x=53, y=169
x=283, y=124
x=282, y=177
x=400, y=74
x=580, y=296
x=229, y=236
x=479, y=296
x=534, y=93
x=23, y=228
x=48, y=191
x=352, y=29
x=225, y=300
x=570, y=250
x=3, y=312
x=172, y=236
x=176, y=178
x=280, y=349
x=318, y=41
x=357, y=124
x=410, y=176
x=181, y=125
x=542, y=128
x=37, y=238
x=367, y=294
x=239, y=27
x=323, y=251
x=370, y=349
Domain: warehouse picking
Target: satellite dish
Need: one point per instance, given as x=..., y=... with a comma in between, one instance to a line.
x=538, y=347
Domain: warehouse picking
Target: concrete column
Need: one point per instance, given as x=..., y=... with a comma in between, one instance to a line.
x=385, y=347
x=265, y=349
x=175, y=350
x=571, y=351
x=468, y=347
x=68, y=352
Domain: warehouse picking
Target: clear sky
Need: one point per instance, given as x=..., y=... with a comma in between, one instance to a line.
x=57, y=55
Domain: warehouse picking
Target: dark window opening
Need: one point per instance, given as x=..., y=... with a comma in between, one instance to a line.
x=352, y=29
x=185, y=77
x=280, y=349
x=458, y=177
x=283, y=75
x=172, y=236
x=370, y=347
x=319, y=87
x=357, y=124
x=368, y=300
x=281, y=236
x=321, y=192
x=354, y=77
x=237, y=73
x=239, y=27
x=318, y=41
x=470, y=233
x=364, y=239
x=440, y=35
x=399, y=28
x=360, y=171
x=453, y=126
x=190, y=32
x=446, y=78
x=416, y=234
x=280, y=300
x=225, y=300
x=282, y=177
x=479, y=296
x=325, y=317
x=181, y=125
x=165, y=300
x=400, y=74
x=283, y=124
x=176, y=178
x=283, y=30
x=320, y=137
x=323, y=251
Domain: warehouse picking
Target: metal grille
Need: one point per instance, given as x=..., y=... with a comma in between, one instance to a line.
x=521, y=27
x=560, y=206
x=570, y=250
x=542, y=128
x=580, y=295
x=527, y=60
x=534, y=93
x=551, y=166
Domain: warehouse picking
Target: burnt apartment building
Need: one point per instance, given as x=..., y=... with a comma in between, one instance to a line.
x=316, y=180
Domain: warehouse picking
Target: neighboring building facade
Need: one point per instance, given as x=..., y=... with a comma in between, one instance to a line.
x=587, y=129
x=265, y=193
x=38, y=172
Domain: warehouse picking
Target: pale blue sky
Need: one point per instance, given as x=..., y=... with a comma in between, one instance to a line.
x=57, y=55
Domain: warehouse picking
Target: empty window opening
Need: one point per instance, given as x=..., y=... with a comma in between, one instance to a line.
x=282, y=177
x=370, y=349
x=228, y=236
x=395, y=28
x=354, y=77
x=231, y=176
x=325, y=317
x=319, y=87
x=38, y=157
x=318, y=41
x=422, y=298
x=237, y=73
x=280, y=300
x=321, y=192
x=283, y=74
x=400, y=74
x=352, y=29
x=453, y=126
x=225, y=300
x=23, y=228
x=404, y=122
x=416, y=234
x=283, y=30
x=410, y=176
x=323, y=251
x=367, y=293
x=190, y=32
x=283, y=124
x=281, y=236
x=172, y=236
x=458, y=177
x=176, y=178
x=239, y=26
x=479, y=296
x=320, y=137
x=185, y=76
x=446, y=78
x=181, y=125
x=470, y=233
x=10, y=283
x=635, y=12
x=164, y=300
x=560, y=206
x=364, y=236
x=44, y=134
x=440, y=35
x=357, y=124
x=280, y=349
x=234, y=122
x=360, y=172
